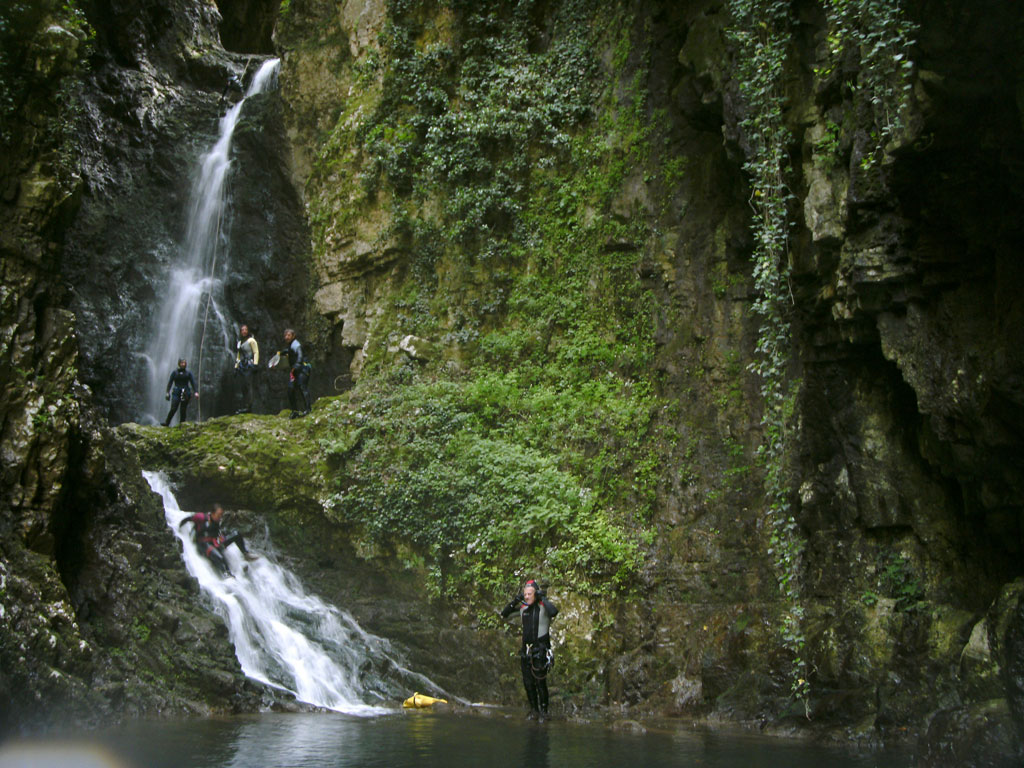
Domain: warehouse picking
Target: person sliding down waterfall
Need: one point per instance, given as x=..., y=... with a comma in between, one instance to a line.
x=298, y=374
x=212, y=542
x=247, y=358
x=536, y=657
x=181, y=388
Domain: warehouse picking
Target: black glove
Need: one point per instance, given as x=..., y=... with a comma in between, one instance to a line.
x=167, y=396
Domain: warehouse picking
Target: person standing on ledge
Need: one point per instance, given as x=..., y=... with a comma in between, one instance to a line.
x=298, y=374
x=181, y=388
x=535, y=654
x=211, y=542
x=247, y=357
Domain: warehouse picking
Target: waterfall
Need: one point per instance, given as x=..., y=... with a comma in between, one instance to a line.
x=290, y=640
x=193, y=288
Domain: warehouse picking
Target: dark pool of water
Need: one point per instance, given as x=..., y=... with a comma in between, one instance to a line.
x=429, y=739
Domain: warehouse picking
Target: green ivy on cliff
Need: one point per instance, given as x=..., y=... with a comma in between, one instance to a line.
x=537, y=447
x=760, y=30
x=463, y=117
x=878, y=34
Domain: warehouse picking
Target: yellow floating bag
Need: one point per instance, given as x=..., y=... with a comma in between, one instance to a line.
x=418, y=701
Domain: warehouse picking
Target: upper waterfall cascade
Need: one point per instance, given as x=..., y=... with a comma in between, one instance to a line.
x=290, y=640
x=191, y=308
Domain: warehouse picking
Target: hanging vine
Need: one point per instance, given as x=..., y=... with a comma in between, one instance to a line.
x=760, y=30
x=881, y=35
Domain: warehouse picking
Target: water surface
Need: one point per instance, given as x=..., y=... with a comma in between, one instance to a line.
x=432, y=739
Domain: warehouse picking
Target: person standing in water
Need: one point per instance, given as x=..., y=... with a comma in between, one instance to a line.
x=212, y=542
x=535, y=655
x=247, y=357
x=298, y=374
x=181, y=388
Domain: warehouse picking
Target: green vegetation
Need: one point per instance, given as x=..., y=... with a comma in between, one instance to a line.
x=896, y=580
x=442, y=466
x=466, y=110
x=881, y=35
x=140, y=631
x=826, y=149
x=899, y=581
x=534, y=446
x=43, y=47
x=760, y=30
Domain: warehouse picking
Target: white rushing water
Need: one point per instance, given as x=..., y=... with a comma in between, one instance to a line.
x=288, y=639
x=191, y=299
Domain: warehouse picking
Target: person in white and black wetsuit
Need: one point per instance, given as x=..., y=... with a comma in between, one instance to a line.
x=247, y=360
x=181, y=388
x=536, y=613
x=298, y=374
x=212, y=542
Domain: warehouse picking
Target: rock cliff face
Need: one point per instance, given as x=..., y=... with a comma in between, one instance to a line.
x=98, y=621
x=529, y=247
x=905, y=320
x=908, y=343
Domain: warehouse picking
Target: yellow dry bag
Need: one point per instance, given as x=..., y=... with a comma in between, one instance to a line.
x=418, y=701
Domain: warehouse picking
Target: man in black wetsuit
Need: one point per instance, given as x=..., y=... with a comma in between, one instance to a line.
x=212, y=542
x=181, y=388
x=535, y=653
x=298, y=374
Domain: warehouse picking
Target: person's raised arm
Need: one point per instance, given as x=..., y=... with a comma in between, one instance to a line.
x=513, y=606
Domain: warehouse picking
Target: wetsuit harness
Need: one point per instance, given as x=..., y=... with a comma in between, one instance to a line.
x=181, y=383
x=247, y=354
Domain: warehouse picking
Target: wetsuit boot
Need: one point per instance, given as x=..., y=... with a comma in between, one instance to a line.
x=534, y=712
x=170, y=414
x=531, y=696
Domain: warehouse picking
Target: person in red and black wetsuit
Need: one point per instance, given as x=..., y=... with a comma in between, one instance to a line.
x=212, y=542
x=535, y=652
